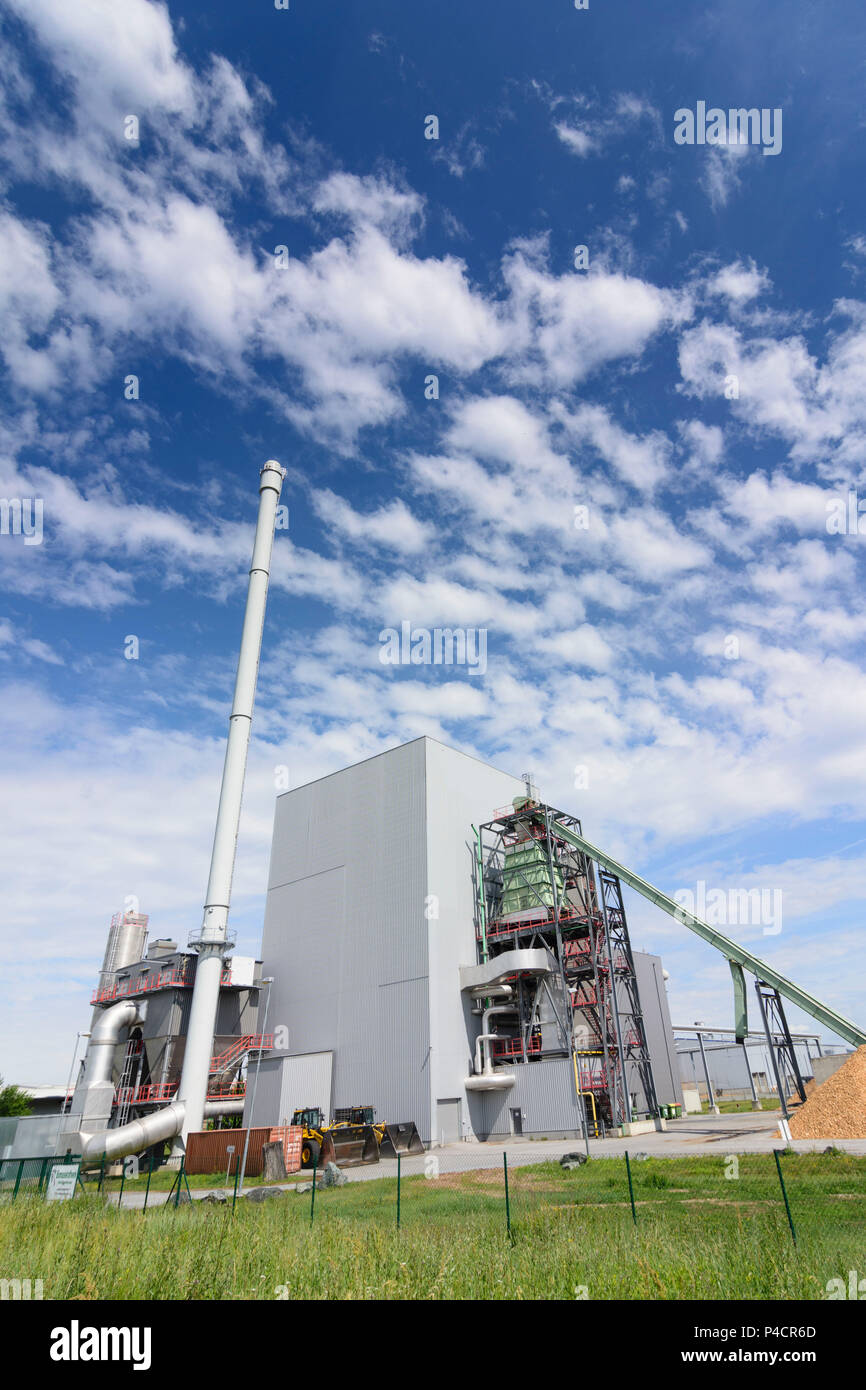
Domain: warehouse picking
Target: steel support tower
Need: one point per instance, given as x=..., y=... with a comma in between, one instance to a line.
x=537, y=890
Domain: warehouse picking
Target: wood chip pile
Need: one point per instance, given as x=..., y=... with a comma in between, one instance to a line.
x=837, y=1109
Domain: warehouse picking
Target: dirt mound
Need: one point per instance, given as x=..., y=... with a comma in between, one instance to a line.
x=837, y=1109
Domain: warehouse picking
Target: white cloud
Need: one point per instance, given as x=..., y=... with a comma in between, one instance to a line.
x=392, y=526
x=722, y=173
x=121, y=58
x=574, y=139
x=738, y=282
x=642, y=462
x=576, y=322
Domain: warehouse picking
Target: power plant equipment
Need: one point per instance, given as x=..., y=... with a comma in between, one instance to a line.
x=93, y=1101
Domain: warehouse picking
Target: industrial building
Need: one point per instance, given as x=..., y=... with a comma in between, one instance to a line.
x=159, y=981
x=439, y=944
x=400, y=985
x=714, y=1066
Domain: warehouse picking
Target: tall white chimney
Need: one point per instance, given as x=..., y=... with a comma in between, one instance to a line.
x=213, y=939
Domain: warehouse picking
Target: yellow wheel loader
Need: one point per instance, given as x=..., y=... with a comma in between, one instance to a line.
x=353, y=1139
x=391, y=1139
x=347, y=1145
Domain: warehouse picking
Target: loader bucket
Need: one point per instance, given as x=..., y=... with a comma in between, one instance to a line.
x=352, y=1145
x=401, y=1139
x=326, y=1154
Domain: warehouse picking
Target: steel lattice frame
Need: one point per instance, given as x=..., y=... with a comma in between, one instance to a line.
x=584, y=925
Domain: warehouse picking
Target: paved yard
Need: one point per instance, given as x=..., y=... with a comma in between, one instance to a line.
x=694, y=1134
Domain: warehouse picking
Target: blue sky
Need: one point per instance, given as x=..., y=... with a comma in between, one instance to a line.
x=736, y=763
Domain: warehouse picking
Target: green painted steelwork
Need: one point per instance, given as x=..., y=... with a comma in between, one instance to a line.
x=741, y=1006
x=837, y=1023
x=482, y=906
x=527, y=881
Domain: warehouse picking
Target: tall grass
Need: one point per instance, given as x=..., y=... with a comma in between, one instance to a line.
x=693, y=1240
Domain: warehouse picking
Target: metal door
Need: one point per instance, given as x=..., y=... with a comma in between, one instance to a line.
x=448, y=1129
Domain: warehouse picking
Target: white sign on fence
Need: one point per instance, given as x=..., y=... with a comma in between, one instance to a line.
x=61, y=1183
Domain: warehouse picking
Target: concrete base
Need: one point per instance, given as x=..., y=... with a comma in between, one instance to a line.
x=642, y=1127
x=756, y=1105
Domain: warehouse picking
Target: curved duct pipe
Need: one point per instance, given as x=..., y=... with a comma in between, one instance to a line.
x=490, y=992
x=104, y=1038
x=486, y=1038
x=150, y=1129
x=137, y=1135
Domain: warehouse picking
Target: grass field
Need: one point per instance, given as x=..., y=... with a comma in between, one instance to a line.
x=739, y=1107
x=699, y=1234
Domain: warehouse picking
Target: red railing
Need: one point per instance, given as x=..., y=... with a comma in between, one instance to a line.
x=513, y=1047
x=542, y=921
x=152, y=1095
x=250, y=1042
x=143, y=984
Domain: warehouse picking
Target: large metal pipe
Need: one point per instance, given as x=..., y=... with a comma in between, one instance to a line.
x=137, y=1135
x=212, y=940
x=483, y=1057
x=104, y=1038
x=150, y=1129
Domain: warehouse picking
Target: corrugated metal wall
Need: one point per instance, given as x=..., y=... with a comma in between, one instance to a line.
x=544, y=1094
x=461, y=792
x=207, y=1150
x=345, y=934
x=660, y=1038
x=286, y=1084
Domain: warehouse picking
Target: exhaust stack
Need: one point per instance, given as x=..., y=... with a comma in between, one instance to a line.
x=214, y=938
x=188, y=1110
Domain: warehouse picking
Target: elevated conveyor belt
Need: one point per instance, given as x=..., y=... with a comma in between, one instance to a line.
x=736, y=955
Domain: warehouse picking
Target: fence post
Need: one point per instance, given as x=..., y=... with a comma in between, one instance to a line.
x=18, y=1179
x=149, y=1176
x=507, y=1202
x=237, y=1171
x=179, y=1180
x=101, y=1174
x=630, y=1188
x=313, y=1193
x=785, y=1195
x=398, y=1192
x=122, y=1181
x=40, y=1185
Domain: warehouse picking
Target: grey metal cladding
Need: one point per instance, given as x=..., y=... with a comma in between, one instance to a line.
x=659, y=1034
x=345, y=934
x=543, y=1092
